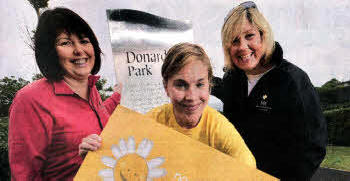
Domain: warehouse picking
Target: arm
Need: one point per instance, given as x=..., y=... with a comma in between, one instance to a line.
x=112, y=102
x=310, y=130
x=29, y=134
x=230, y=142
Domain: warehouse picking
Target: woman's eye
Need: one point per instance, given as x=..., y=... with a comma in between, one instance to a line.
x=85, y=41
x=250, y=36
x=65, y=43
x=235, y=41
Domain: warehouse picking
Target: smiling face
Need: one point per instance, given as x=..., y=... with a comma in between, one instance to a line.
x=76, y=55
x=247, y=50
x=188, y=90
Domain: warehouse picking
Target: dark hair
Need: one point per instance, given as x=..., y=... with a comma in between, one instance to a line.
x=51, y=24
x=178, y=57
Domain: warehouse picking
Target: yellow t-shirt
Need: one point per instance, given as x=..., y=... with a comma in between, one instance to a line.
x=213, y=129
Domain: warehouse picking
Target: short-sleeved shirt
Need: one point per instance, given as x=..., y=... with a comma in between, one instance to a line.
x=213, y=130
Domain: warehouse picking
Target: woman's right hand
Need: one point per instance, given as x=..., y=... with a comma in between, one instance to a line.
x=89, y=143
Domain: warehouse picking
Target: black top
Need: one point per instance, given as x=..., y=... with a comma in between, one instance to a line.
x=280, y=121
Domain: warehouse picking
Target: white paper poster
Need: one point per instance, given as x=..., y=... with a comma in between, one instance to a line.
x=140, y=42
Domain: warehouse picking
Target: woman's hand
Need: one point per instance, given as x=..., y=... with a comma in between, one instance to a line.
x=89, y=143
x=118, y=88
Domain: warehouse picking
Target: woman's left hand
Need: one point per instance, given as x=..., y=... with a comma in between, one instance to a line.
x=89, y=143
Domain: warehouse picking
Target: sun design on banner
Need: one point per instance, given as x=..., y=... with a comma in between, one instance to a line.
x=131, y=164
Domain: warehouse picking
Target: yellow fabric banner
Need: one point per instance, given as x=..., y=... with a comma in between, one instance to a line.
x=136, y=148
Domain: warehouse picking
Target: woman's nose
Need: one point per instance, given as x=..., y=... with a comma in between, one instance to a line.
x=78, y=50
x=243, y=45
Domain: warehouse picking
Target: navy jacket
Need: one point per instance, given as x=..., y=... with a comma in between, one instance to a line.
x=280, y=121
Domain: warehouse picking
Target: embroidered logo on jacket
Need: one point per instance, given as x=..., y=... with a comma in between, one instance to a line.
x=263, y=104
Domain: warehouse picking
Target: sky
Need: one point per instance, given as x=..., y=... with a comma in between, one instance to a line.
x=314, y=34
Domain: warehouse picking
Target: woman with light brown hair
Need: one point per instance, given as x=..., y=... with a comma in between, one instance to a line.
x=187, y=74
x=271, y=102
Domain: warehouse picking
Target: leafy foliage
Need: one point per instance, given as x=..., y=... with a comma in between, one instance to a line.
x=38, y=4
x=8, y=88
x=334, y=95
x=4, y=163
x=331, y=84
x=100, y=84
x=338, y=126
x=37, y=76
x=104, y=92
x=335, y=102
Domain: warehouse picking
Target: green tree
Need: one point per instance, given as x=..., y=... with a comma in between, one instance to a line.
x=29, y=34
x=100, y=84
x=8, y=88
x=331, y=84
x=38, y=4
x=37, y=76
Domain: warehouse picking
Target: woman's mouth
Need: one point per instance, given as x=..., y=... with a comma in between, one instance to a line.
x=80, y=61
x=245, y=58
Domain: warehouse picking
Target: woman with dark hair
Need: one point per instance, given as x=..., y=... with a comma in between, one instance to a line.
x=271, y=101
x=49, y=118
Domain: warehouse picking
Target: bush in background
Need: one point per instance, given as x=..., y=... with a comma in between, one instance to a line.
x=338, y=126
x=4, y=160
x=8, y=88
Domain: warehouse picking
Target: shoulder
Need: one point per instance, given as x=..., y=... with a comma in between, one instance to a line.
x=294, y=75
x=160, y=112
x=37, y=89
x=232, y=75
x=216, y=118
x=32, y=95
x=212, y=112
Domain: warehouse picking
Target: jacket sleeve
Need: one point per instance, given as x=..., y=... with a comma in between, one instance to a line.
x=30, y=130
x=310, y=130
x=112, y=102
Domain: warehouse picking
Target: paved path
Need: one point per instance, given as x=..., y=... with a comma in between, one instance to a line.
x=326, y=174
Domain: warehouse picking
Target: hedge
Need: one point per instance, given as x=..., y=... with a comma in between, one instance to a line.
x=338, y=126
x=4, y=161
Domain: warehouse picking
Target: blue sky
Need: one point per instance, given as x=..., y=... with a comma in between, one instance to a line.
x=314, y=34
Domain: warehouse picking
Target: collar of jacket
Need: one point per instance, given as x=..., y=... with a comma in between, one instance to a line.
x=61, y=88
x=277, y=55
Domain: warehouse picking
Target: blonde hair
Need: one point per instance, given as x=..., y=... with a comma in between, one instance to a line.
x=179, y=56
x=232, y=28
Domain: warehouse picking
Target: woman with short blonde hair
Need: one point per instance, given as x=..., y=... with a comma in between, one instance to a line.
x=271, y=102
x=233, y=27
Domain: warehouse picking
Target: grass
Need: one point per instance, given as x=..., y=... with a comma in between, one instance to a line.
x=337, y=157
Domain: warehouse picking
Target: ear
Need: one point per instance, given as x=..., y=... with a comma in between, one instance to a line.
x=165, y=84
